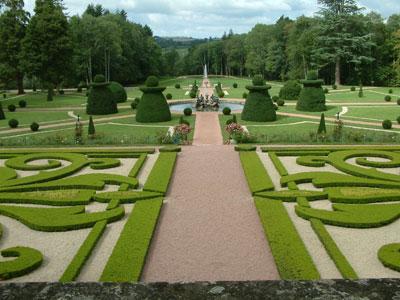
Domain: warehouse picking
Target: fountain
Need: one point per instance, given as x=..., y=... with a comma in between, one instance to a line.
x=205, y=102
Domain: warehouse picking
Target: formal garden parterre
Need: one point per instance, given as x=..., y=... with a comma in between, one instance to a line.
x=86, y=215
x=329, y=212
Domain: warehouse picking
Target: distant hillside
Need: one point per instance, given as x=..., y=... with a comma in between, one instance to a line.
x=178, y=42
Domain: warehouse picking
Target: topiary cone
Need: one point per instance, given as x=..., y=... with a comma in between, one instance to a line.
x=153, y=106
x=312, y=96
x=322, y=126
x=101, y=100
x=91, y=129
x=259, y=106
x=2, y=115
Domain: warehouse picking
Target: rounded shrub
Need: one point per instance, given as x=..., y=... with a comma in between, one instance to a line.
x=12, y=108
x=187, y=111
x=387, y=124
x=398, y=101
x=398, y=120
x=177, y=86
x=390, y=91
x=276, y=107
x=275, y=98
x=153, y=106
x=312, y=96
x=13, y=123
x=388, y=98
x=353, y=89
x=235, y=85
x=290, y=91
x=168, y=96
x=312, y=75
x=280, y=102
x=35, y=126
x=244, y=96
x=101, y=100
x=22, y=103
x=258, y=106
x=4, y=96
x=135, y=103
x=334, y=87
x=118, y=91
x=61, y=92
x=326, y=91
x=226, y=111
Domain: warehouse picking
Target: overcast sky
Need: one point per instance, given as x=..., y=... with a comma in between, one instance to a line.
x=206, y=18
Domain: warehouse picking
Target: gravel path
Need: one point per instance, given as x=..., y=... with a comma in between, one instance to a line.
x=208, y=131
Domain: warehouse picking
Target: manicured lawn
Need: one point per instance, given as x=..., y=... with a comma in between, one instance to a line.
x=38, y=100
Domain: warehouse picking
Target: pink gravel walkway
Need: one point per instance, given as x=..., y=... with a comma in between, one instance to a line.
x=207, y=130
x=209, y=229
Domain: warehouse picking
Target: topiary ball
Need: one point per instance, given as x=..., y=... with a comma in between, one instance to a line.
x=61, y=92
x=99, y=78
x=275, y=98
x=244, y=96
x=177, y=86
x=168, y=96
x=391, y=91
x=13, y=123
x=34, y=126
x=276, y=107
x=12, y=108
x=152, y=81
x=280, y=102
x=334, y=87
x=118, y=91
x=312, y=75
x=187, y=111
x=258, y=80
x=388, y=98
x=326, y=90
x=387, y=124
x=235, y=85
x=353, y=89
x=226, y=111
x=22, y=103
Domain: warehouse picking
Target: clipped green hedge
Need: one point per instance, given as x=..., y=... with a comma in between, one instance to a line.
x=138, y=166
x=258, y=106
x=101, y=100
x=161, y=174
x=125, y=197
x=26, y=261
x=291, y=256
x=84, y=252
x=362, y=195
x=312, y=97
x=256, y=175
x=171, y=149
x=389, y=255
x=118, y=92
x=293, y=195
x=245, y=148
x=153, y=106
x=290, y=91
x=333, y=250
x=129, y=255
x=278, y=164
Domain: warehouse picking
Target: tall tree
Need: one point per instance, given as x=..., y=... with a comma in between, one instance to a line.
x=47, y=45
x=339, y=42
x=13, y=22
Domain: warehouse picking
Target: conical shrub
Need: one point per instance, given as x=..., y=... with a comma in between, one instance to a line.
x=322, y=125
x=91, y=129
x=153, y=106
x=312, y=96
x=100, y=98
x=259, y=106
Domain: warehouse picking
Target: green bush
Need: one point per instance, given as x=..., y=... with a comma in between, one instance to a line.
x=22, y=103
x=153, y=106
x=322, y=126
x=177, y=86
x=290, y=91
x=91, y=129
x=360, y=92
x=160, y=176
x=34, y=126
x=312, y=75
x=219, y=90
x=226, y=111
x=12, y=108
x=398, y=101
x=326, y=91
x=2, y=115
x=276, y=107
x=235, y=85
x=280, y=102
x=258, y=106
x=13, y=123
x=312, y=97
x=398, y=120
x=388, y=98
x=244, y=96
x=334, y=87
x=101, y=101
x=187, y=111
x=152, y=81
x=256, y=175
x=275, y=98
x=4, y=96
x=119, y=92
x=168, y=96
x=194, y=90
x=135, y=103
x=353, y=89
x=387, y=124
x=233, y=120
x=390, y=91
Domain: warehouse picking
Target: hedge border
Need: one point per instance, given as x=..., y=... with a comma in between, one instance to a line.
x=27, y=260
x=256, y=175
x=161, y=174
x=389, y=255
x=245, y=148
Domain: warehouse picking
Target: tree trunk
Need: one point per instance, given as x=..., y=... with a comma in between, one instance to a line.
x=337, y=72
x=20, y=83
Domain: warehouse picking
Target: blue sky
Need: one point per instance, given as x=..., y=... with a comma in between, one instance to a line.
x=206, y=18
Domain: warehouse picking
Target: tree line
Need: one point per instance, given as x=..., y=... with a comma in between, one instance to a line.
x=345, y=44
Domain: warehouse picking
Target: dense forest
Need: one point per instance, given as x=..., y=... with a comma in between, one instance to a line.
x=50, y=49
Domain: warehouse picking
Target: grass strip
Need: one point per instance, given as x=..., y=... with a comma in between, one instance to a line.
x=160, y=176
x=129, y=255
x=333, y=250
x=79, y=260
x=256, y=175
x=290, y=254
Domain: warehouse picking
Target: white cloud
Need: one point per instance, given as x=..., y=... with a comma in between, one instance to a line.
x=212, y=17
